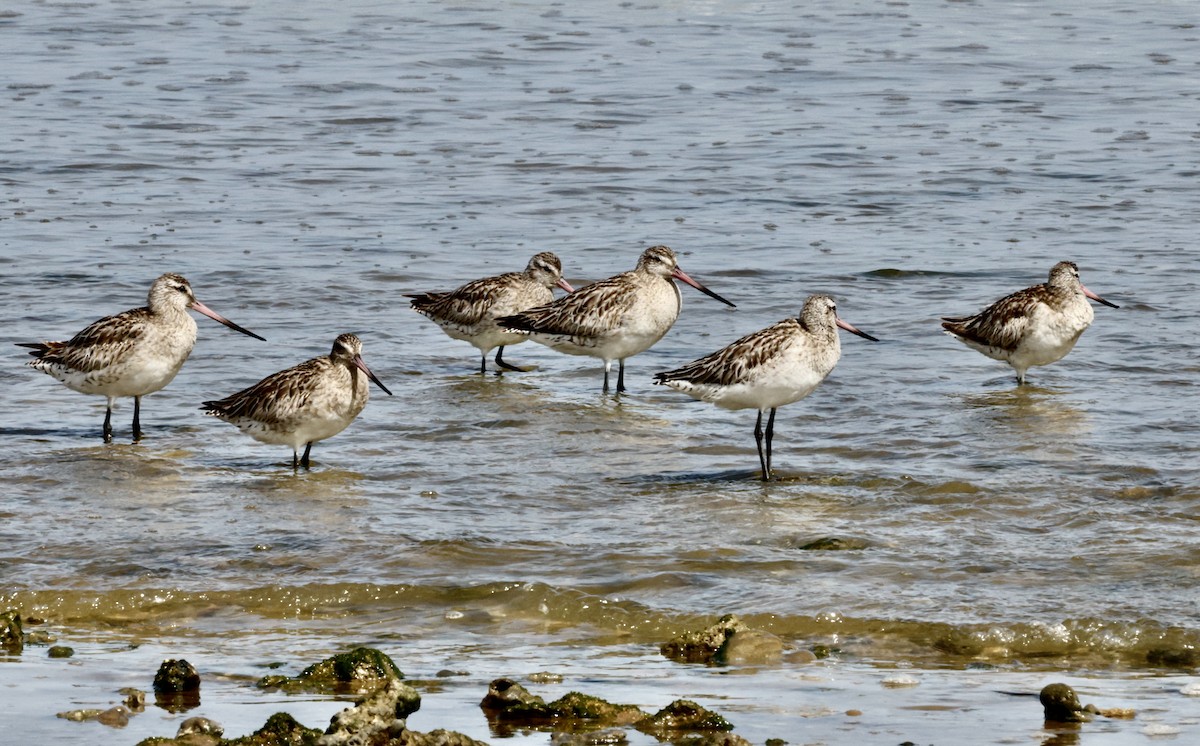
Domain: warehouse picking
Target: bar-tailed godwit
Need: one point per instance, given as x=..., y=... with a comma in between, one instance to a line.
x=134, y=353
x=1034, y=326
x=616, y=318
x=469, y=312
x=312, y=401
x=768, y=368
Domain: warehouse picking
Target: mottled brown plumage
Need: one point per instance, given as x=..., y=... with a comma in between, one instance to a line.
x=616, y=318
x=469, y=312
x=133, y=353
x=1034, y=326
x=303, y=404
x=769, y=368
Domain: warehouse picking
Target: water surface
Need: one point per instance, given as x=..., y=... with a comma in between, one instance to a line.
x=305, y=165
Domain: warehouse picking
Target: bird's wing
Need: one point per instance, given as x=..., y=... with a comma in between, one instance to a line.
x=737, y=361
x=1002, y=325
x=587, y=312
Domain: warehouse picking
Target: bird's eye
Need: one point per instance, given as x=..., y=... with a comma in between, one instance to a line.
x=181, y=288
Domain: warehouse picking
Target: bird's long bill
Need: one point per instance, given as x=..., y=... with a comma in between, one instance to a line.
x=855, y=330
x=680, y=275
x=1097, y=298
x=201, y=308
x=565, y=285
x=363, y=367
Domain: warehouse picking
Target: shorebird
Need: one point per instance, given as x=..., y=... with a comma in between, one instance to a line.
x=768, y=368
x=312, y=401
x=469, y=313
x=133, y=353
x=616, y=318
x=1034, y=326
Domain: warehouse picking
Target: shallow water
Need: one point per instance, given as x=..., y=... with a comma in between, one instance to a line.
x=305, y=165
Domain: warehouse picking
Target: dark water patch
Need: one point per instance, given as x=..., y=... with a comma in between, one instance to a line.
x=361, y=121
x=189, y=127
x=105, y=167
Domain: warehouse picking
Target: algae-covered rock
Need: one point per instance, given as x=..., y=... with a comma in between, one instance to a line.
x=381, y=713
x=511, y=704
x=508, y=698
x=702, y=646
x=360, y=664
x=176, y=675
x=729, y=641
x=682, y=715
x=177, y=686
x=12, y=634
x=578, y=706
x=60, y=651
x=360, y=670
x=200, y=726
x=1061, y=705
x=281, y=729
x=607, y=737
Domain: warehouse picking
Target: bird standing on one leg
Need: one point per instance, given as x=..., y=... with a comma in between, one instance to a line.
x=769, y=368
x=133, y=353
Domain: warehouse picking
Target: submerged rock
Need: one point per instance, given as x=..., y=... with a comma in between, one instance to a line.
x=60, y=651
x=359, y=670
x=12, y=634
x=135, y=699
x=710, y=739
x=114, y=717
x=834, y=544
x=729, y=641
x=606, y=737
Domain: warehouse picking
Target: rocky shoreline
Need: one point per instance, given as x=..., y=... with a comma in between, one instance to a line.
x=384, y=700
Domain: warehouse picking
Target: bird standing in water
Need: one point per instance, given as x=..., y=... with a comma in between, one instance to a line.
x=616, y=318
x=133, y=353
x=312, y=401
x=769, y=368
x=1034, y=326
x=469, y=312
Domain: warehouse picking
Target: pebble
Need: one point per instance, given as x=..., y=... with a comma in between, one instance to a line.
x=1160, y=729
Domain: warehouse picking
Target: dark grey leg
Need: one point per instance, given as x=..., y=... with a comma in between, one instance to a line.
x=758, y=440
x=304, y=459
x=502, y=364
x=770, y=436
x=137, y=418
x=108, y=424
x=621, y=377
